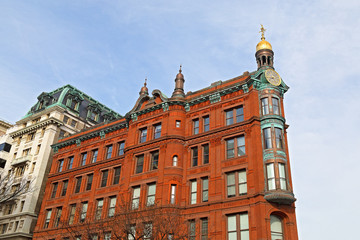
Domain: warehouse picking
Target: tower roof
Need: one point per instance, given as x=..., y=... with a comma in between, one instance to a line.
x=263, y=44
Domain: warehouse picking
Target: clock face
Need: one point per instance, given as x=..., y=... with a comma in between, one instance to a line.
x=272, y=77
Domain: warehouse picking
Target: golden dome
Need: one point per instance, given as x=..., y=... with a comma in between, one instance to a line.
x=263, y=44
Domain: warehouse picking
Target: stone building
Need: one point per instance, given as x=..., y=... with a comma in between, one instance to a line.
x=218, y=155
x=55, y=115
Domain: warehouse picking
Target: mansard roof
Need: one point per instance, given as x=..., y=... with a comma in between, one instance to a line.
x=67, y=97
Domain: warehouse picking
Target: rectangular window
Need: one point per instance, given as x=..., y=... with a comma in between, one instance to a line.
x=267, y=138
x=148, y=231
x=205, y=189
x=234, y=115
x=83, y=159
x=270, y=176
x=193, y=191
x=78, y=184
x=265, y=106
x=196, y=126
x=57, y=216
x=229, y=117
x=22, y=206
x=64, y=187
x=206, y=123
x=72, y=213
x=70, y=162
x=278, y=138
x=108, y=151
x=54, y=190
x=230, y=149
x=204, y=229
x=154, y=160
x=282, y=176
x=238, y=226
x=139, y=164
x=205, y=153
x=151, y=194
x=99, y=207
x=275, y=106
x=177, y=123
x=136, y=198
x=94, y=156
x=157, y=131
x=121, y=148
x=143, y=135
x=173, y=194
x=107, y=236
x=236, y=183
x=47, y=219
x=60, y=165
x=194, y=153
x=112, y=204
x=104, y=178
x=192, y=230
x=117, y=171
x=240, y=146
x=89, y=181
x=84, y=207
x=175, y=161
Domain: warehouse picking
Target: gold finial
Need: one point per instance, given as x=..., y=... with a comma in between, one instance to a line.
x=262, y=31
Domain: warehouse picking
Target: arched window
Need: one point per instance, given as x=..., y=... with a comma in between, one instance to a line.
x=175, y=161
x=276, y=228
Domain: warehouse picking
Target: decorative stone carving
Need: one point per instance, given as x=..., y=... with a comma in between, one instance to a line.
x=214, y=98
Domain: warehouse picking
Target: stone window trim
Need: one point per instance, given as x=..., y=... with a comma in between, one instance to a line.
x=203, y=158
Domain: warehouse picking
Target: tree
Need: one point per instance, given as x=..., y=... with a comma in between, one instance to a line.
x=152, y=222
x=13, y=185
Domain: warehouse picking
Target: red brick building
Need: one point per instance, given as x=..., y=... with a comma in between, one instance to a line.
x=219, y=155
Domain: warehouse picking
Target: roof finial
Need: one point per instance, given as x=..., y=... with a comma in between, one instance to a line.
x=145, y=81
x=262, y=31
x=144, y=89
x=180, y=69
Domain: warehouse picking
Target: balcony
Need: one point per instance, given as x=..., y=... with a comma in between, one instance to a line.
x=21, y=160
x=280, y=197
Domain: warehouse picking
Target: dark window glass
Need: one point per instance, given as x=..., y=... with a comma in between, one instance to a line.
x=230, y=149
x=71, y=161
x=205, y=189
x=206, y=123
x=83, y=159
x=229, y=117
x=117, y=172
x=89, y=181
x=54, y=190
x=60, y=165
x=205, y=153
x=204, y=229
x=57, y=216
x=121, y=148
x=154, y=160
x=104, y=177
x=78, y=184
x=157, y=131
x=194, y=151
x=139, y=164
x=267, y=138
x=94, y=155
x=143, y=135
x=265, y=106
x=239, y=114
x=64, y=187
x=275, y=106
x=109, y=151
x=278, y=138
x=196, y=126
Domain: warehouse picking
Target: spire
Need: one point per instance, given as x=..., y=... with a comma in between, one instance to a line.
x=144, y=89
x=264, y=54
x=179, y=85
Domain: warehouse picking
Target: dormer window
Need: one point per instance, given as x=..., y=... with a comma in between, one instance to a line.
x=94, y=111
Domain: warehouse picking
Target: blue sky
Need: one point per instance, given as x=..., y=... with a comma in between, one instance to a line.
x=107, y=48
